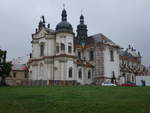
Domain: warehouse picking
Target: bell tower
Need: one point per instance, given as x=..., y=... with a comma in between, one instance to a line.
x=82, y=31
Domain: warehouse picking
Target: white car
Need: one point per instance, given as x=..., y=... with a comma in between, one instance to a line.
x=108, y=84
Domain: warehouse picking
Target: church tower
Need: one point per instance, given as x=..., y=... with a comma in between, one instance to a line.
x=82, y=31
x=64, y=61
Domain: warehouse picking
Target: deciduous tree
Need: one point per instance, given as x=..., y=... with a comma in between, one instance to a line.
x=5, y=67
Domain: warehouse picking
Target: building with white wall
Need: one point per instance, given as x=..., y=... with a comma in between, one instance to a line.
x=131, y=66
x=143, y=80
x=61, y=56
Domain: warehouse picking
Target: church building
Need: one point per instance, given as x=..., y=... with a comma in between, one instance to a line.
x=60, y=56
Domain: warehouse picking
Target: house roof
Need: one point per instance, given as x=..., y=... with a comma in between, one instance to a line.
x=19, y=67
x=20, y=63
x=21, y=60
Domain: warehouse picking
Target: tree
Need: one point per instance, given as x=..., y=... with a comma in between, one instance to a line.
x=5, y=67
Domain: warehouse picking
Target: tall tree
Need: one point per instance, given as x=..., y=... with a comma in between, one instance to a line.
x=5, y=67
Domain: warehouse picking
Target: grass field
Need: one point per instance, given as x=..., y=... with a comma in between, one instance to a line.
x=74, y=99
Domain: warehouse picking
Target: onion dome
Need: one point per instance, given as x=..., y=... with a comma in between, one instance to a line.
x=82, y=28
x=64, y=26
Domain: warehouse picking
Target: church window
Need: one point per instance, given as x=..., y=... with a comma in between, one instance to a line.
x=132, y=78
x=42, y=49
x=57, y=48
x=62, y=46
x=89, y=74
x=69, y=48
x=128, y=78
x=111, y=55
x=91, y=55
x=79, y=54
x=70, y=72
x=80, y=74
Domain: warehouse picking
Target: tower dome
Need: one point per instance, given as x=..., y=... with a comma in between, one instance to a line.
x=82, y=29
x=64, y=26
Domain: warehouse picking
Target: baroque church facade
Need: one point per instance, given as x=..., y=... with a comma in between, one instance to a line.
x=61, y=56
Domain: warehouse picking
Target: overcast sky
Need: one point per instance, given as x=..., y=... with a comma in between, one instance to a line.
x=123, y=21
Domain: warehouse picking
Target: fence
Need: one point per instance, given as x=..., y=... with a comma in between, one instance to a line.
x=17, y=82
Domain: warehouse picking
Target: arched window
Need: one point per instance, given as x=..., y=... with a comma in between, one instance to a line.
x=70, y=72
x=62, y=46
x=42, y=49
x=69, y=48
x=57, y=48
x=89, y=74
x=111, y=55
x=79, y=54
x=80, y=74
x=132, y=78
x=91, y=55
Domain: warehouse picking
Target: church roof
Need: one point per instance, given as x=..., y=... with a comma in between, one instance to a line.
x=64, y=25
x=98, y=38
x=130, y=53
x=49, y=30
x=101, y=38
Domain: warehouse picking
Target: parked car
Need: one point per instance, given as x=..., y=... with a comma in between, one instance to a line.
x=108, y=84
x=129, y=84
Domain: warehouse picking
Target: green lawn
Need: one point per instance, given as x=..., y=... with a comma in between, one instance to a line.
x=74, y=99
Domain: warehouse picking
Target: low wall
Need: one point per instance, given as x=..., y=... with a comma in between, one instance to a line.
x=139, y=80
x=17, y=82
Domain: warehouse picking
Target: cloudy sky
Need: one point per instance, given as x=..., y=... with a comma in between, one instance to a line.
x=123, y=21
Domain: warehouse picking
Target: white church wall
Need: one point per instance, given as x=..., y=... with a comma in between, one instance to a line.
x=50, y=70
x=56, y=70
x=110, y=66
x=34, y=75
x=84, y=80
x=35, y=50
x=51, y=45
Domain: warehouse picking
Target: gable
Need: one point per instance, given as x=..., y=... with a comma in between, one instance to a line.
x=42, y=33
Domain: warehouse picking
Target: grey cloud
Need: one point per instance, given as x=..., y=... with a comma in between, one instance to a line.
x=123, y=21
